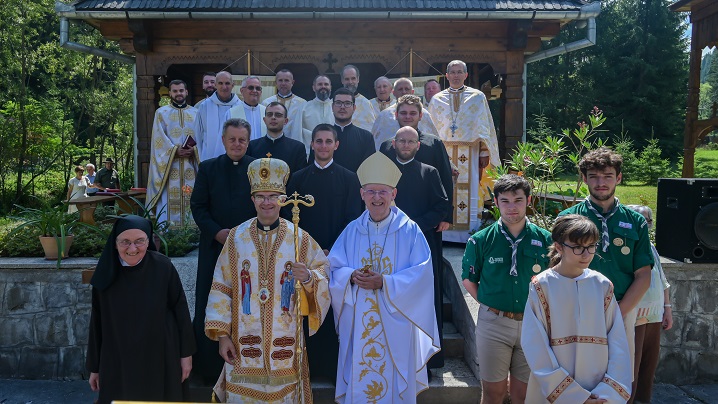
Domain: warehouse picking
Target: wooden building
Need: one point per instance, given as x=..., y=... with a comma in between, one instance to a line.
x=704, y=16
x=182, y=38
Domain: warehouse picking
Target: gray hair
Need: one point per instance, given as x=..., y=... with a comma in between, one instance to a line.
x=381, y=78
x=356, y=69
x=457, y=62
x=90, y=165
x=237, y=123
x=403, y=80
x=246, y=79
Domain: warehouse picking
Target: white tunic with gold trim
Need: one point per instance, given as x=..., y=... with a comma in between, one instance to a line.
x=386, y=336
x=294, y=105
x=464, y=123
x=314, y=113
x=574, y=340
x=364, y=115
x=253, y=115
x=171, y=178
x=247, y=303
x=386, y=125
x=381, y=105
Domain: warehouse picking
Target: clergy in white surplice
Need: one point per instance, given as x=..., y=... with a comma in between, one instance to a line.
x=211, y=117
x=174, y=158
x=463, y=119
x=318, y=110
x=294, y=104
x=250, y=109
x=252, y=304
x=573, y=335
x=382, y=296
x=364, y=115
x=384, y=98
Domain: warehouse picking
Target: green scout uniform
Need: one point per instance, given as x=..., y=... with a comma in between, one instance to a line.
x=629, y=245
x=487, y=261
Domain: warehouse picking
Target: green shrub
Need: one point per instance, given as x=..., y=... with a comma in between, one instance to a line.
x=181, y=240
x=650, y=166
x=89, y=243
x=23, y=243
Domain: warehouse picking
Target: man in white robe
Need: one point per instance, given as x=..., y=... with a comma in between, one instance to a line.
x=384, y=98
x=382, y=296
x=211, y=117
x=250, y=109
x=174, y=158
x=252, y=308
x=431, y=88
x=462, y=117
x=386, y=125
x=294, y=104
x=209, y=86
x=318, y=110
x=364, y=115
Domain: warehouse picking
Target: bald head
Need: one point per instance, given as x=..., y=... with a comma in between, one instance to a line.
x=403, y=86
x=406, y=143
x=224, y=85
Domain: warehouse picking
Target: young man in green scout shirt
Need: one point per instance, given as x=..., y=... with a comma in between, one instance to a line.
x=497, y=268
x=624, y=253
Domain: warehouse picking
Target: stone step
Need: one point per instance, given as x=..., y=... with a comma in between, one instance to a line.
x=454, y=383
x=453, y=342
x=446, y=309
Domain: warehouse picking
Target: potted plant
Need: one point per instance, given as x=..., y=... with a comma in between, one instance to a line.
x=55, y=227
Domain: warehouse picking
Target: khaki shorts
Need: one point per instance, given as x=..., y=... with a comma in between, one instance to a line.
x=498, y=347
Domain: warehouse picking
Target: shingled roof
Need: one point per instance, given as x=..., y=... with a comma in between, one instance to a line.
x=329, y=5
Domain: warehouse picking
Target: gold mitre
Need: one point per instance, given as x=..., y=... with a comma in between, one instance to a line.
x=268, y=175
x=378, y=169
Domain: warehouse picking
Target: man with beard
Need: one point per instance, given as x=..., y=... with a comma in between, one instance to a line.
x=355, y=144
x=382, y=87
x=624, y=255
x=276, y=143
x=220, y=201
x=498, y=265
x=174, y=158
x=364, y=115
x=208, y=86
x=386, y=124
x=464, y=122
x=211, y=117
x=318, y=110
x=431, y=88
x=421, y=196
x=250, y=110
x=284, y=81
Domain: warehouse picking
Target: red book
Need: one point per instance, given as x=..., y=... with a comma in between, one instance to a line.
x=189, y=143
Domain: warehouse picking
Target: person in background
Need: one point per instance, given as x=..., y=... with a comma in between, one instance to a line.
x=91, y=174
x=76, y=188
x=655, y=312
x=107, y=177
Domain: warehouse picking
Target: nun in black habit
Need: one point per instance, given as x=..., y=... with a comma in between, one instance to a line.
x=140, y=341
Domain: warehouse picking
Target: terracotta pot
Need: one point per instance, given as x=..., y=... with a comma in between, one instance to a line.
x=49, y=245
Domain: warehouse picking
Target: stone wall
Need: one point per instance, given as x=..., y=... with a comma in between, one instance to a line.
x=45, y=315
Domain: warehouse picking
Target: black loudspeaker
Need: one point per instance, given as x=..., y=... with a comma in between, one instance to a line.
x=687, y=219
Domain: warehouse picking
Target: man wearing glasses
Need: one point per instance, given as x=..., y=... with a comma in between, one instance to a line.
x=276, y=143
x=284, y=81
x=355, y=144
x=250, y=110
x=498, y=265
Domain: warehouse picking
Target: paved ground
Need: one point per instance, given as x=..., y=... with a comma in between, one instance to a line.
x=57, y=392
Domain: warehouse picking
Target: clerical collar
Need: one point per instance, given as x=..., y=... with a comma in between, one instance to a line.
x=386, y=100
x=290, y=95
x=125, y=264
x=377, y=226
x=250, y=106
x=404, y=162
x=342, y=127
x=325, y=167
x=225, y=101
x=267, y=228
x=457, y=90
x=274, y=139
x=178, y=106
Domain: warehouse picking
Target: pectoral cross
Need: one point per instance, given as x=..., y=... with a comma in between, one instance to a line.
x=453, y=128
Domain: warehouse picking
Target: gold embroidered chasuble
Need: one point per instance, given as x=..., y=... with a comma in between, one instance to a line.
x=364, y=115
x=171, y=178
x=250, y=301
x=464, y=123
x=381, y=105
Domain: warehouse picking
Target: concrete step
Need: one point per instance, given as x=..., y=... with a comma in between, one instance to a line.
x=446, y=310
x=454, y=383
x=453, y=342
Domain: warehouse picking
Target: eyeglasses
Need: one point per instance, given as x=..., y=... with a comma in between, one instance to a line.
x=253, y=88
x=345, y=104
x=140, y=242
x=410, y=142
x=578, y=250
x=262, y=198
x=382, y=194
x=274, y=114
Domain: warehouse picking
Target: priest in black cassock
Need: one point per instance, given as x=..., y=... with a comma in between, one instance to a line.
x=220, y=201
x=336, y=192
x=355, y=143
x=421, y=196
x=276, y=143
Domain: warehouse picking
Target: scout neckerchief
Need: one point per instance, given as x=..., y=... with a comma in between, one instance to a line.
x=604, y=220
x=514, y=245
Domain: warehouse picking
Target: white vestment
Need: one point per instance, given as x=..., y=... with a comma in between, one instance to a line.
x=294, y=105
x=380, y=106
x=464, y=123
x=210, y=118
x=386, y=125
x=364, y=115
x=253, y=115
x=314, y=113
x=574, y=340
x=386, y=336
x=170, y=180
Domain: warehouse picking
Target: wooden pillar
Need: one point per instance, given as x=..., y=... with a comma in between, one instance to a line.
x=146, y=106
x=513, y=108
x=689, y=137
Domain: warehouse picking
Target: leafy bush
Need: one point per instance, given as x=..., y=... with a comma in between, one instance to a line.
x=90, y=243
x=181, y=240
x=23, y=243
